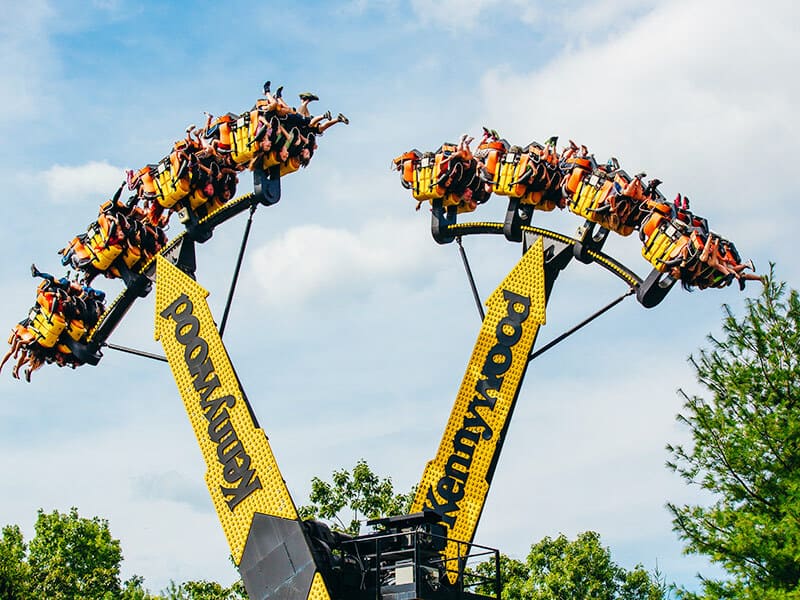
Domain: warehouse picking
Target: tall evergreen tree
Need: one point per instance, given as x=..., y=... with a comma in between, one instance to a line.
x=745, y=451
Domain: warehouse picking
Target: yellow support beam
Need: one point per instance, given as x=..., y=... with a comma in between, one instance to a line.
x=457, y=480
x=242, y=475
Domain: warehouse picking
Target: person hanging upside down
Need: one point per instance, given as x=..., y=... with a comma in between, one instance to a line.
x=722, y=260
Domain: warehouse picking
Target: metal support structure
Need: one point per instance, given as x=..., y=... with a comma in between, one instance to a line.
x=237, y=269
x=471, y=278
x=141, y=353
x=580, y=325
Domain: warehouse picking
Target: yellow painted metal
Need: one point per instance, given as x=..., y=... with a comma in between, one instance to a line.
x=506, y=174
x=244, y=138
x=457, y=480
x=102, y=255
x=318, y=590
x=425, y=175
x=171, y=189
x=242, y=475
x=662, y=245
x=585, y=199
x=47, y=326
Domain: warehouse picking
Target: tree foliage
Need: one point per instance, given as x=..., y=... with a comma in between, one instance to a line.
x=205, y=590
x=746, y=451
x=362, y=492
x=14, y=571
x=68, y=557
x=560, y=569
x=73, y=557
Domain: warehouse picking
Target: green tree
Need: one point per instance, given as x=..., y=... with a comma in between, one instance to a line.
x=14, y=572
x=133, y=589
x=560, y=569
x=73, y=557
x=361, y=491
x=69, y=557
x=513, y=575
x=204, y=590
x=745, y=451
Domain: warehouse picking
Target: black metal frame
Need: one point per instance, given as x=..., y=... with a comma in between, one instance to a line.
x=181, y=252
x=405, y=561
x=586, y=247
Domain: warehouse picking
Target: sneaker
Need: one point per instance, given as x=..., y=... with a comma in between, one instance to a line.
x=279, y=93
x=266, y=87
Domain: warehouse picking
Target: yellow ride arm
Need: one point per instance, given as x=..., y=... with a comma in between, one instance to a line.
x=456, y=482
x=254, y=506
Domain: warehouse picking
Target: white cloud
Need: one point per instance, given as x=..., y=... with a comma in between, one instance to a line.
x=310, y=259
x=672, y=94
x=456, y=14
x=91, y=183
x=601, y=17
x=172, y=486
x=695, y=94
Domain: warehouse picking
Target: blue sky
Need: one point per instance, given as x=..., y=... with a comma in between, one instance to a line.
x=352, y=327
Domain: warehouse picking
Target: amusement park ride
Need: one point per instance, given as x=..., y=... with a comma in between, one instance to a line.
x=429, y=553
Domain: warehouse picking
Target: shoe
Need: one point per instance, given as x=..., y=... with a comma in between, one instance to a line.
x=266, y=87
x=34, y=271
x=750, y=264
x=279, y=93
x=309, y=96
x=340, y=117
x=327, y=115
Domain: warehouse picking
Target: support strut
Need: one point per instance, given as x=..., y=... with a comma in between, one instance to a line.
x=580, y=325
x=471, y=278
x=237, y=269
x=141, y=353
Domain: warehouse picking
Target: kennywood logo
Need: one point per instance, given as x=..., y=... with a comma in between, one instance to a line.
x=235, y=461
x=451, y=487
